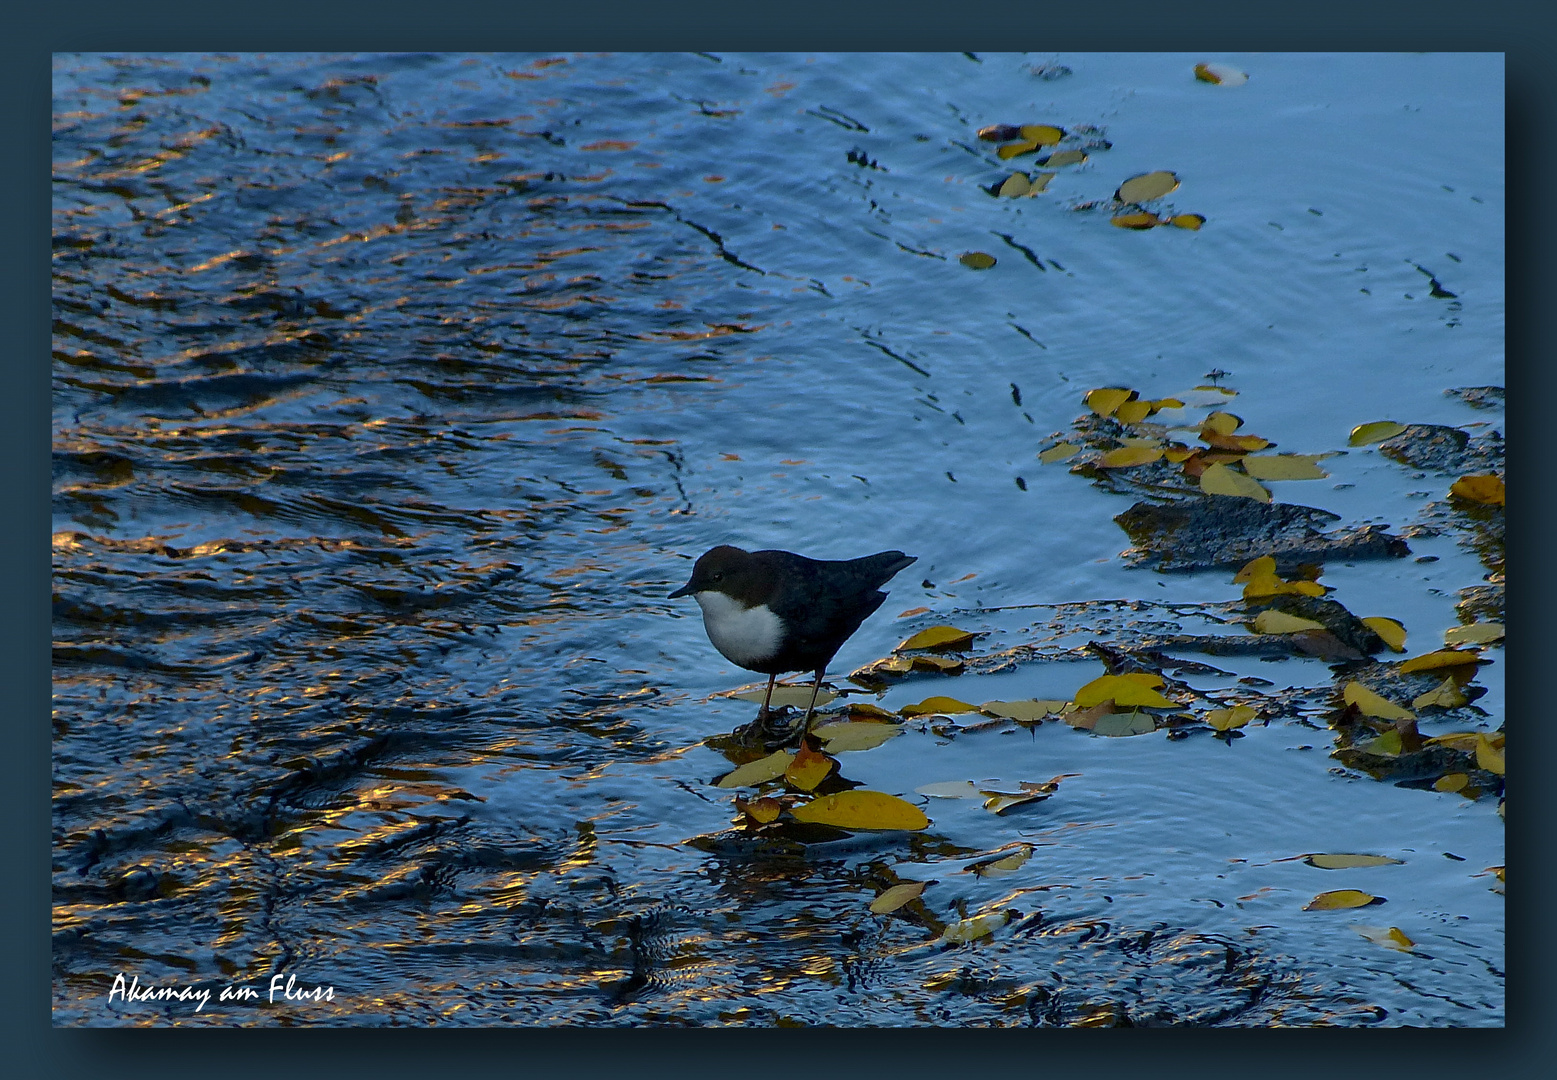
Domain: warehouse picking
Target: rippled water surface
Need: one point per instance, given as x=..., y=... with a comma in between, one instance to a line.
x=393, y=393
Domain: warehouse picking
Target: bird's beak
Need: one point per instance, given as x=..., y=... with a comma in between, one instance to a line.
x=685, y=590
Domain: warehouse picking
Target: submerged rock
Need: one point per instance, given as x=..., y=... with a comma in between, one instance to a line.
x=1444, y=449
x=1211, y=532
x=1478, y=397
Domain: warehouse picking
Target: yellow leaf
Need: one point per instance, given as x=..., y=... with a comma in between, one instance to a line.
x=945, y=705
x=1188, y=221
x=1106, y=399
x=897, y=896
x=1346, y=862
x=1433, y=661
x=1021, y=710
x=1221, y=423
x=1388, y=936
x=1218, y=479
x=872, y=712
x=939, y=637
x=948, y=665
x=1228, y=719
x=1122, y=691
x=1178, y=454
x=1064, y=157
x=1138, y=220
x=1341, y=898
x=1126, y=457
x=1305, y=588
x=1133, y=412
x=862, y=810
x=1284, y=467
x=763, y=810
x=1015, y=185
x=1378, y=431
x=1386, y=745
x=1011, y=150
x=1486, y=489
x=757, y=772
x=998, y=802
x=965, y=930
x=1166, y=403
x=1451, y=782
x=1058, y=453
x=1220, y=75
x=1238, y=444
x=1475, y=634
x=1002, y=866
x=1390, y=631
x=976, y=260
x=1370, y=704
x=787, y=694
x=1041, y=181
x=1271, y=621
x=1265, y=564
x=808, y=769
x=1446, y=695
x=1456, y=740
x=1487, y=756
x=1043, y=134
x=1146, y=187
x=852, y=735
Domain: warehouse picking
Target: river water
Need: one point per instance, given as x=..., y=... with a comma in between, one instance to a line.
x=392, y=394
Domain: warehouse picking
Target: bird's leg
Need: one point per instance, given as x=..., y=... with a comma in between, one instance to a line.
x=763, y=715
x=815, y=689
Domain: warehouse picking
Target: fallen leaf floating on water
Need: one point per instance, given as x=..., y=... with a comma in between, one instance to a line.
x=1388, y=936
x=1341, y=898
x=1127, y=457
x=758, y=772
x=1059, y=453
x=1271, y=621
x=1146, y=187
x=1134, y=690
x=1220, y=75
x=949, y=789
x=897, y=896
x=945, y=706
x=1284, y=467
x=1044, y=134
x=1140, y=219
x=976, y=260
x=1016, y=149
x=1443, y=658
x=1464, y=740
x=1261, y=580
x=1446, y=695
x=862, y=810
x=1133, y=412
x=1389, y=631
x=1386, y=745
x=1485, y=488
x=1006, y=865
x=1019, y=184
x=1370, y=704
x=1488, y=756
x=1120, y=725
x=965, y=930
x=1188, y=221
x=939, y=637
x=1451, y=782
x=786, y=694
x=1228, y=719
x=763, y=810
x=1061, y=158
x=1346, y=862
x=1221, y=423
x=1378, y=431
x=1239, y=444
x=1028, y=709
x=865, y=735
x=808, y=769
x=1480, y=633
x=1104, y=400
x=1218, y=479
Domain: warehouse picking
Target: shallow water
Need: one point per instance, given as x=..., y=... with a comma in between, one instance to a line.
x=392, y=395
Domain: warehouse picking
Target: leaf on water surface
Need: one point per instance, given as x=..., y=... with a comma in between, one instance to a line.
x=1016, y=149
x=1084, y=719
x=872, y=712
x=1027, y=709
x=1221, y=423
x=1480, y=633
x=1140, y=219
x=1463, y=740
x=1146, y=187
x=1121, y=724
x=1062, y=158
x=1193, y=222
x=1388, y=936
x=1238, y=444
x=1218, y=479
x=1341, y=898
x=1347, y=861
x=897, y=896
x=1370, y=704
x=763, y=810
x=1005, y=865
x=1271, y=621
x=1451, y=782
x=1377, y=431
x=787, y=694
x=948, y=706
x=1284, y=467
x=809, y=768
x=1390, y=631
x=1015, y=185
x=1488, y=756
x=1043, y=134
x=862, y=810
x=939, y=637
x=1123, y=691
x=1133, y=412
x=946, y=665
x=1443, y=658
x=1105, y=399
x=949, y=789
x=1228, y=719
x=757, y=772
x=1220, y=75
x=1446, y=695
x=1386, y=745
x=976, y=260
x=855, y=736
x=965, y=930
x=1485, y=488
x=1126, y=457
x=1058, y=453
x=1260, y=580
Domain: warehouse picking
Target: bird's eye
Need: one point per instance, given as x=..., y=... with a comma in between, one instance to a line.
x=719, y=576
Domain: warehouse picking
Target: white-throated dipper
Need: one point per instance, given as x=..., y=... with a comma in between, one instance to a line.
x=775, y=611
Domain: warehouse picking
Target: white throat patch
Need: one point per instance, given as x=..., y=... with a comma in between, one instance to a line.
x=744, y=635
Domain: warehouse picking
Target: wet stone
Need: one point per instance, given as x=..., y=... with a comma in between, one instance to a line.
x=1481, y=603
x=1211, y=532
x=1478, y=397
x=1444, y=449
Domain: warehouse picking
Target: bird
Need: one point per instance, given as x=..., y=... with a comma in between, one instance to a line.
x=774, y=611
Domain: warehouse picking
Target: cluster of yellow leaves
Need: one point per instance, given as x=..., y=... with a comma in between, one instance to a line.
x=1259, y=579
x=1019, y=140
x=1020, y=185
